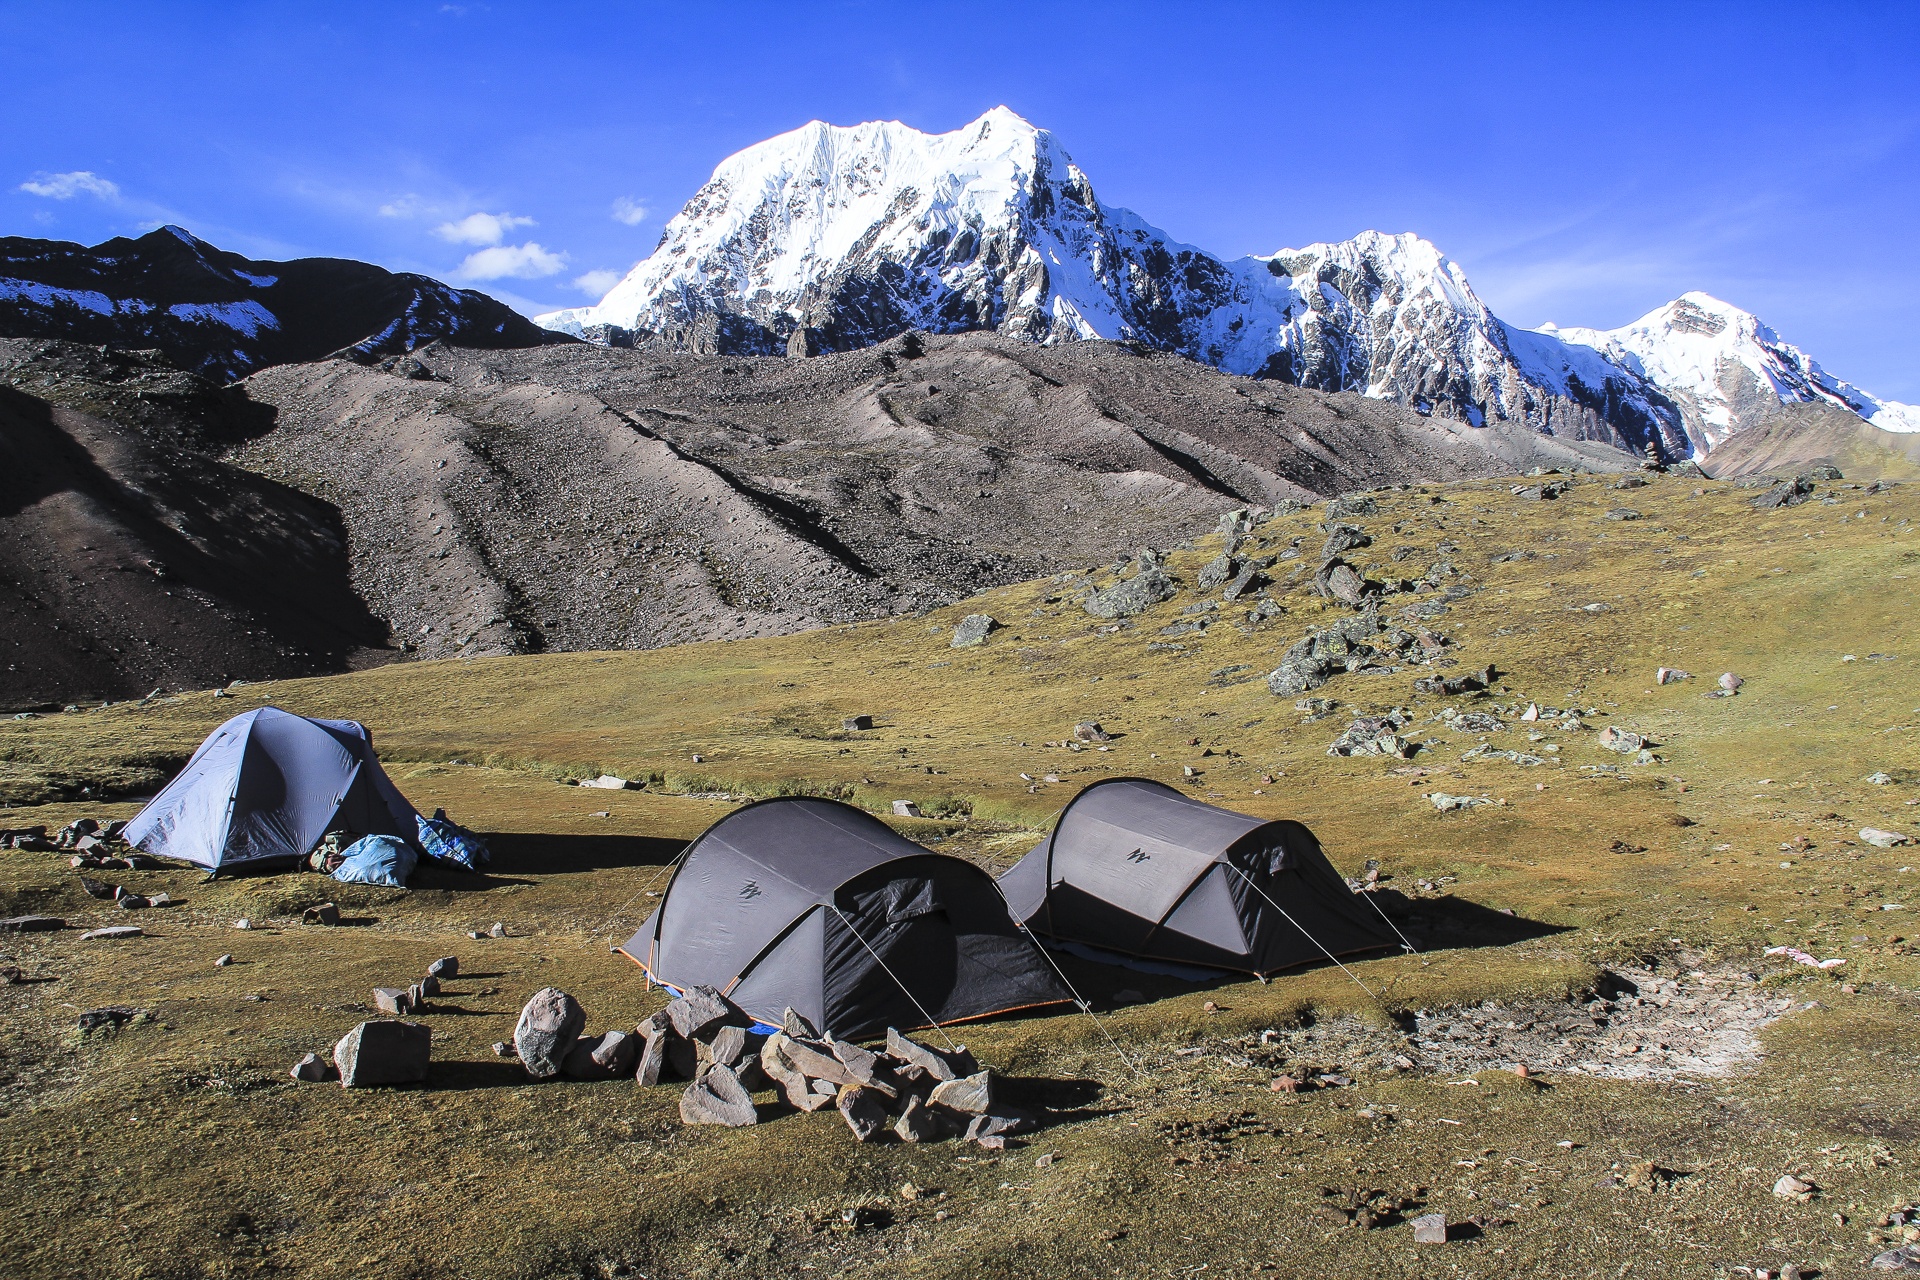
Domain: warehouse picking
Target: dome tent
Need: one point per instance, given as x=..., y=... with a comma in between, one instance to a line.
x=1136, y=868
x=816, y=906
x=267, y=785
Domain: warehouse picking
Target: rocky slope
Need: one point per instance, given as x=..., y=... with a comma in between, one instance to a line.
x=223, y=315
x=588, y=497
x=836, y=238
x=131, y=559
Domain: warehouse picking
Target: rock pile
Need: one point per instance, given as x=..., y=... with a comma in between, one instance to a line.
x=1353, y=644
x=918, y=1093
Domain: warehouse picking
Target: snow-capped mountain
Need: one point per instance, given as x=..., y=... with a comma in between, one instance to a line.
x=831, y=238
x=223, y=315
x=1726, y=368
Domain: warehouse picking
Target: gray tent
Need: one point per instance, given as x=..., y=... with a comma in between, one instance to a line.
x=1136, y=868
x=267, y=785
x=817, y=906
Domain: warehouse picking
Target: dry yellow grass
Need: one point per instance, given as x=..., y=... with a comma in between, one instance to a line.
x=178, y=1147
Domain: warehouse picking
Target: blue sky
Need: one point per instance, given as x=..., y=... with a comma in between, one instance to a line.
x=1583, y=162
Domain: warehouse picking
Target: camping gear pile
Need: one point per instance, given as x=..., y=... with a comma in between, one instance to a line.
x=918, y=1092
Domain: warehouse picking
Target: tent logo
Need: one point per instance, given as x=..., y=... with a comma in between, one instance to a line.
x=1139, y=855
x=749, y=891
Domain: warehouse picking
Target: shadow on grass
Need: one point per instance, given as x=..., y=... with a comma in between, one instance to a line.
x=541, y=853
x=1446, y=924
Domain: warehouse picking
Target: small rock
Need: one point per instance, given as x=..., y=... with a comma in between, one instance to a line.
x=393, y=1000
x=498, y=931
x=132, y=902
x=972, y=631
x=797, y=1027
x=311, y=1069
x=718, y=1097
x=113, y=932
x=475, y=934
x=905, y=809
x=501, y=1049
x=999, y=1121
x=1284, y=1084
x=608, y=782
x=1090, y=731
x=444, y=967
x=1879, y=779
x=377, y=1053
x=243, y=923
x=549, y=1024
x=1729, y=681
x=1046, y=1161
x=1430, y=1228
x=865, y=1111
x=326, y=913
x=936, y=1064
x=854, y=724
x=1792, y=1188
x=1670, y=675
x=792, y=1081
x=1882, y=839
x=222, y=962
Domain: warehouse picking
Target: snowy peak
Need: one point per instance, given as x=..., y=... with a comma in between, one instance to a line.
x=1727, y=368
x=834, y=238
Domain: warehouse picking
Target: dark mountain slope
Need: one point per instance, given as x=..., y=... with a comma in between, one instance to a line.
x=130, y=561
x=222, y=315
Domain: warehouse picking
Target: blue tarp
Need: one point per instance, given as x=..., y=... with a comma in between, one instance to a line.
x=385, y=860
x=446, y=841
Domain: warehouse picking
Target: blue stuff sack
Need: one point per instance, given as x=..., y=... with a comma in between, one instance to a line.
x=386, y=860
x=448, y=841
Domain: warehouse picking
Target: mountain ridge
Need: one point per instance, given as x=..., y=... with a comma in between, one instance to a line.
x=832, y=238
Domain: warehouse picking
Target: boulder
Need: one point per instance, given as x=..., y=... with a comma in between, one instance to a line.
x=311, y=1069
x=1430, y=1228
x=864, y=1110
x=972, y=1095
x=428, y=986
x=1134, y=595
x=608, y=782
x=650, y=1061
x=791, y=1080
x=444, y=967
x=1883, y=839
x=855, y=724
x=1339, y=580
x=917, y=1122
x=906, y=809
x=718, y=1097
x=797, y=1026
x=726, y=1048
x=326, y=913
x=387, y=1052
x=1090, y=731
x=1788, y=493
x=549, y=1024
x=936, y=1064
x=1217, y=572
x=701, y=1011
x=393, y=1000
x=1342, y=538
x=972, y=631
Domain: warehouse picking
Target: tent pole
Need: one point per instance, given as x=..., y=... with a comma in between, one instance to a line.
x=1309, y=937
x=931, y=1020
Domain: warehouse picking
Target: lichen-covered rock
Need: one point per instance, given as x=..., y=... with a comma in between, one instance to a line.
x=972, y=631
x=1134, y=595
x=1218, y=571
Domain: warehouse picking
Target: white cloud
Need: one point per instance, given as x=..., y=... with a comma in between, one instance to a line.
x=516, y=261
x=65, y=186
x=630, y=211
x=596, y=283
x=407, y=206
x=481, y=228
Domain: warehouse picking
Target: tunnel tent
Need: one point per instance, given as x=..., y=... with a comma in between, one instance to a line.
x=810, y=904
x=1134, y=868
x=266, y=786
